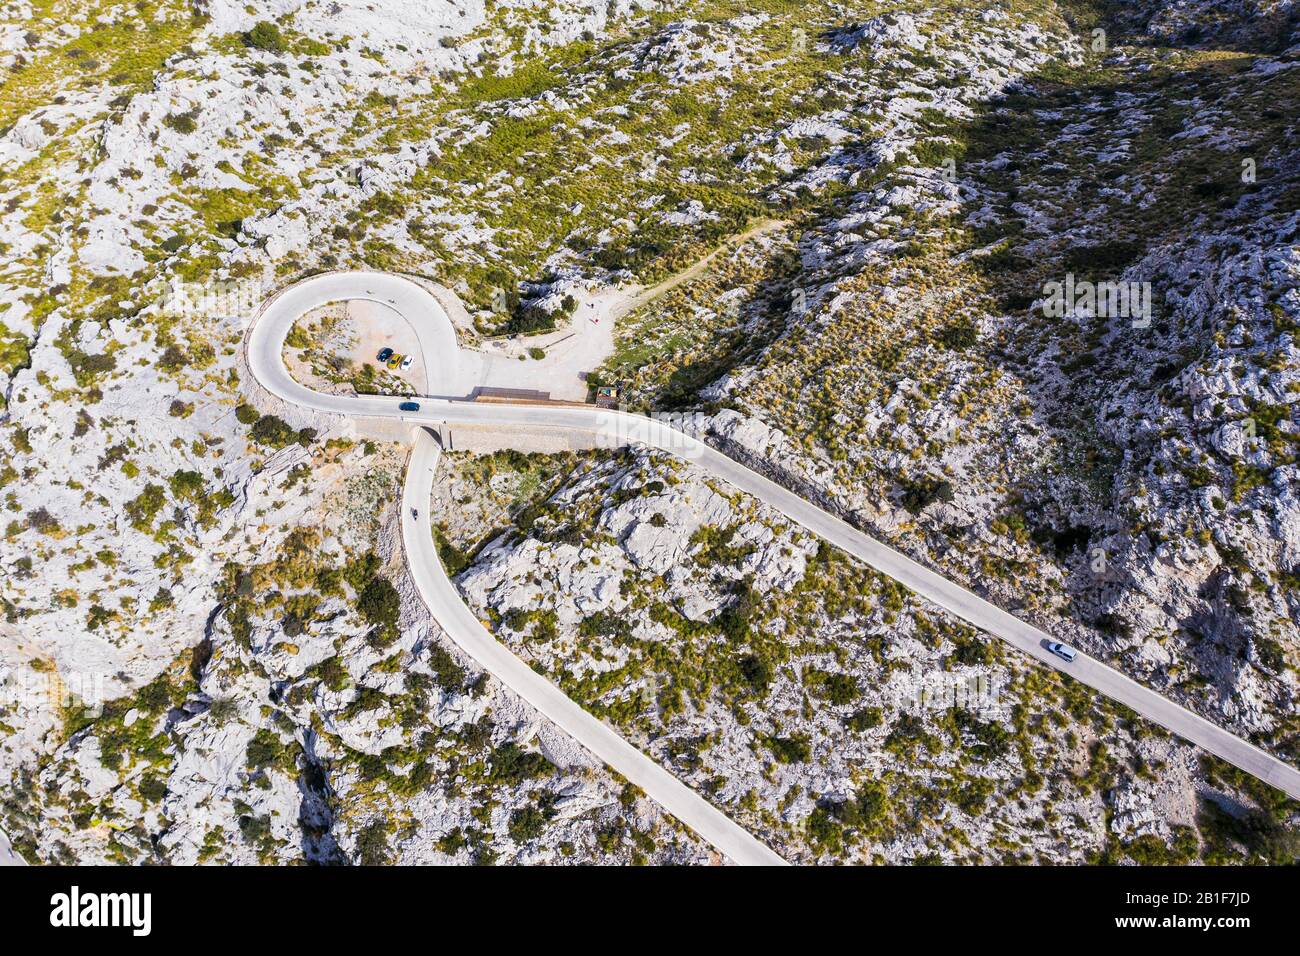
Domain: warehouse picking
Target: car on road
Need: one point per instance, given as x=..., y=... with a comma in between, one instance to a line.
x=1064, y=651
x=409, y=407
x=407, y=362
x=385, y=354
x=395, y=360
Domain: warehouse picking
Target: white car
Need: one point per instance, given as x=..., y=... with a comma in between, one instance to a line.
x=407, y=362
x=1064, y=651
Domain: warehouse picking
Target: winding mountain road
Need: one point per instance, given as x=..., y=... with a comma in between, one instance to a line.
x=265, y=344
x=473, y=638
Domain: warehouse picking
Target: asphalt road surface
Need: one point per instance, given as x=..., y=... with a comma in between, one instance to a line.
x=265, y=343
x=473, y=638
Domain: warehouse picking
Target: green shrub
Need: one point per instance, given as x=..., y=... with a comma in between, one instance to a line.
x=98, y=616
x=864, y=719
x=264, y=750
x=757, y=672
x=530, y=320
x=188, y=485
x=380, y=604
x=275, y=432
x=511, y=764
x=181, y=122
x=525, y=824
x=266, y=36
x=920, y=493
x=734, y=620
x=796, y=749
x=372, y=843
x=959, y=335
x=144, y=507
x=152, y=788
x=836, y=688
x=447, y=673
x=606, y=624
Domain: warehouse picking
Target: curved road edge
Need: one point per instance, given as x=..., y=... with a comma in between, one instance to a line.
x=264, y=343
x=460, y=624
x=8, y=856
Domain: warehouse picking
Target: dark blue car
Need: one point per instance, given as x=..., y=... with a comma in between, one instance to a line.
x=409, y=406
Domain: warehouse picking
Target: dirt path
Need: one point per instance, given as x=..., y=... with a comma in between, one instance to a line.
x=588, y=340
x=644, y=296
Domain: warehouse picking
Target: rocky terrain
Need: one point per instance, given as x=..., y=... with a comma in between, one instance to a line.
x=210, y=649
x=822, y=705
x=1129, y=483
x=203, y=658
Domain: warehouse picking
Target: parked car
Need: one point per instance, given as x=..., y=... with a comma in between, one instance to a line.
x=385, y=354
x=409, y=406
x=1064, y=651
x=394, y=360
x=407, y=362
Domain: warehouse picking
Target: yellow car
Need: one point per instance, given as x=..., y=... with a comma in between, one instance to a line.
x=395, y=360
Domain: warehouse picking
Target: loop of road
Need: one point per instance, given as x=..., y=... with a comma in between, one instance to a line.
x=264, y=346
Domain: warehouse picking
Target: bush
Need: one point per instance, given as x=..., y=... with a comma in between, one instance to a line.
x=247, y=414
x=525, y=824
x=266, y=36
x=995, y=740
x=1111, y=256
x=796, y=749
x=380, y=605
x=757, y=672
x=864, y=719
x=41, y=520
x=923, y=492
x=181, y=122
x=972, y=651
x=152, y=788
x=145, y=506
x=173, y=358
x=530, y=320
x=733, y=622
x=453, y=559
x=959, y=335
x=187, y=484
x=840, y=689
x=606, y=624
x=255, y=829
x=372, y=843
x=98, y=616
x=447, y=673
x=275, y=432
x=86, y=367
x=511, y=764
x=264, y=750
x=1263, y=837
